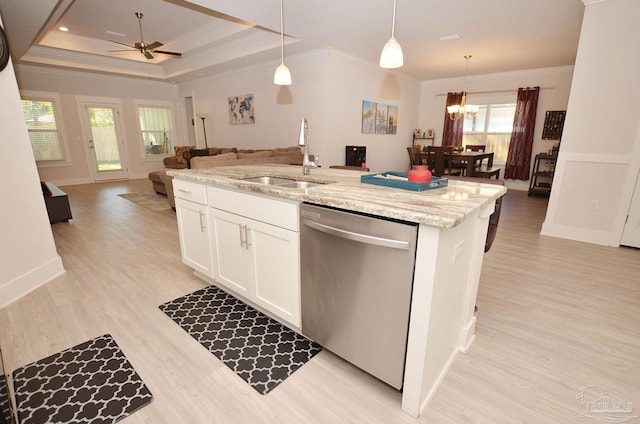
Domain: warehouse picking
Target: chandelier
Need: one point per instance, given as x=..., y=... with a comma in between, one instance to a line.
x=463, y=109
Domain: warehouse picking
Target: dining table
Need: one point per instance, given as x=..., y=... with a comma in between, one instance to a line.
x=470, y=159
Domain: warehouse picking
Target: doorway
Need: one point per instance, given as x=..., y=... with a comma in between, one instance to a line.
x=105, y=142
x=191, y=129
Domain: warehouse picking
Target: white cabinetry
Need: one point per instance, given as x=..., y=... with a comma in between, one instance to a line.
x=255, y=246
x=191, y=212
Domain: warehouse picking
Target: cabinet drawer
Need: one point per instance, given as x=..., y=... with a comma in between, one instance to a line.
x=191, y=191
x=279, y=212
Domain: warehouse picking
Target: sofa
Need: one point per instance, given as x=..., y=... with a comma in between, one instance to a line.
x=187, y=157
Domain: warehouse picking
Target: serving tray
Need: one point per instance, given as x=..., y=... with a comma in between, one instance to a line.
x=436, y=182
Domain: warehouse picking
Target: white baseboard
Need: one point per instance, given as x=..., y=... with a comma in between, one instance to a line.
x=435, y=387
x=15, y=289
x=74, y=181
x=577, y=234
x=468, y=334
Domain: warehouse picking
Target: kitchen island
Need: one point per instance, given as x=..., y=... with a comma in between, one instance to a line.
x=452, y=226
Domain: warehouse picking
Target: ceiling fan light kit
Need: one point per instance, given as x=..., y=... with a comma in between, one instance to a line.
x=391, y=56
x=282, y=75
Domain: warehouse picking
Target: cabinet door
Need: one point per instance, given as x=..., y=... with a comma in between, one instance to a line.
x=231, y=252
x=276, y=266
x=194, y=238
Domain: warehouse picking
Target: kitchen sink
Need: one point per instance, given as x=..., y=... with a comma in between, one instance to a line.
x=269, y=180
x=282, y=182
x=301, y=184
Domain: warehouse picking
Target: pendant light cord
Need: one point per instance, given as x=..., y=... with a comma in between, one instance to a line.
x=393, y=24
x=282, y=30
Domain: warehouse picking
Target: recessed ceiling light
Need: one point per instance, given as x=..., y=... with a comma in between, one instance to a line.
x=449, y=37
x=63, y=29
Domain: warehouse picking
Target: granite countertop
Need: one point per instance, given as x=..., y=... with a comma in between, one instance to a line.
x=442, y=207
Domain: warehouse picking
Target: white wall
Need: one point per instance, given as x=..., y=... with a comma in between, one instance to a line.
x=555, y=84
x=599, y=155
x=71, y=86
x=28, y=256
x=328, y=89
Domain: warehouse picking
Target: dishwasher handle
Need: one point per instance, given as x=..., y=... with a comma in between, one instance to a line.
x=362, y=238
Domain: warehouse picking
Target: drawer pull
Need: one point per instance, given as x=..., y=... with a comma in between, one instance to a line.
x=242, y=235
x=247, y=245
x=203, y=227
x=181, y=190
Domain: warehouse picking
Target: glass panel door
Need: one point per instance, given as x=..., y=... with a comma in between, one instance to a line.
x=105, y=145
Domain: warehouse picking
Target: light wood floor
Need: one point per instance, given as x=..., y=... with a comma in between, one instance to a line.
x=554, y=316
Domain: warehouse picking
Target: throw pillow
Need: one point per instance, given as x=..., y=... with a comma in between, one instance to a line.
x=182, y=153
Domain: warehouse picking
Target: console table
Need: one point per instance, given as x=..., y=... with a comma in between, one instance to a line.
x=57, y=203
x=544, y=168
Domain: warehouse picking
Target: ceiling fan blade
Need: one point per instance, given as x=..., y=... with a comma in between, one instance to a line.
x=123, y=44
x=169, y=53
x=154, y=45
x=147, y=54
x=123, y=50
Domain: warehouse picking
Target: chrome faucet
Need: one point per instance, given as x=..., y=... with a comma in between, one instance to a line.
x=303, y=142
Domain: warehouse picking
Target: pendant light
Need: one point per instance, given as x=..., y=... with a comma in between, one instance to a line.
x=282, y=75
x=391, y=56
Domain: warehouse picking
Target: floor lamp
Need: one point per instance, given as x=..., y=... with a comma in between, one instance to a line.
x=204, y=130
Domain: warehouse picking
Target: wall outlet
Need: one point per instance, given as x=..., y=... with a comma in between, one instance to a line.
x=457, y=251
x=594, y=205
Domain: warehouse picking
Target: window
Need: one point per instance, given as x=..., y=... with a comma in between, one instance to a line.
x=157, y=129
x=492, y=127
x=44, y=129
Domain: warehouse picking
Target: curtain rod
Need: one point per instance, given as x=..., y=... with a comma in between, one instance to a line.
x=499, y=91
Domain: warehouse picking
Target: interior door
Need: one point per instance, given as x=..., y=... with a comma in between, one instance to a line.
x=631, y=231
x=105, y=142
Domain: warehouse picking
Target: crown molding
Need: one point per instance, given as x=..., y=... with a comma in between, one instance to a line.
x=589, y=2
x=51, y=71
x=502, y=75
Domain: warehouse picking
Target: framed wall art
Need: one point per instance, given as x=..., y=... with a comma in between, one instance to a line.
x=368, y=117
x=241, y=110
x=379, y=118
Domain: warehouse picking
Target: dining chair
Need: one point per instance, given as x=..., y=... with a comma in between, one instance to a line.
x=440, y=162
x=413, y=160
x=483, y=171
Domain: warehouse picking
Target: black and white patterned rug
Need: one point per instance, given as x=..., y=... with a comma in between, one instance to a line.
x=92, y=382
x=259, y=349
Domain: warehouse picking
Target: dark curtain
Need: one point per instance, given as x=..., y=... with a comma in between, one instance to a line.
x=521, y=144
x=452, y=133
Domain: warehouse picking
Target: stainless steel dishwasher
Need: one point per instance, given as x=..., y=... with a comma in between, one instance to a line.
x=357, y=278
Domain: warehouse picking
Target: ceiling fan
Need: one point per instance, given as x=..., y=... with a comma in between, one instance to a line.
x=144, y=48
